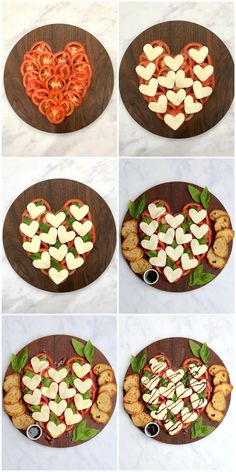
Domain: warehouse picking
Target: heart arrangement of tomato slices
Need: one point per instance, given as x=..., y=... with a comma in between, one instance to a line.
x=57, y=244
x=56, y=82
x=175, y=398
x=175, y=244
x=175, y=87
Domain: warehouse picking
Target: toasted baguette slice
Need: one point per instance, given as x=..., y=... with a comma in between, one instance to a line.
x=226, y=233
x=130, y=381
x=130, y=242
x=12, y=396
x=141, y=419
x=215, y=261
x=23, y=421
x=130, y=226
x=15, y=410
x=106, y=376
x=98, y=416
x=214, y=368
x=215, y=214
x=132, y=395
x=110, y=387
x=134, y=408
x=11, y=380
x=220, y=247
x=104, y=402
x=99, y=368
x=133, y=255
x=224, y=387
x=218, y=401
x=140, y=266
x=222, y=223
x=220, y=377
x=214, y=415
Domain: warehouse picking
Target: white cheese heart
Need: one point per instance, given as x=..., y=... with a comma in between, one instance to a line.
x=29, y=230
x=167, y=81
x=174, y=63
x=182, y=391
x=160, y=106
x=198, y=55
x=172, y=275
x=60, y=253
x=197, y=402
x=35, y=211
x=148, y=228
x=190, y=106
x=58, y=276
x=32, y=246
x=174, y=122
x=200, y=91
x=159, y=260
x=38, y=366
x=65, y=236
x=197, y=216
x=55, y=220
x=175, y=375
x=50, y=237
x=161, y=413
x=43, y=415
x=188, y=416
x=79, y=212
x=81, y=370
x=150, y=383
x=167, y=237
x=51, y=391
x=66, y=392
x=34, y=398
x=175, y=407
x=56, y=430
x=72, y=418
x=174, y=221
x=182, y=237
x=83, y=385
x=151, y=243
x=181, y=81
x=176, y=97
x=155, y=211
x=82, y=247
x=151, y=398
x=82, y=228
x=157, y=365
x=58, y=408
x=152, y=52
x=80, y=403
x=168, y=391
x=188, y=263
x=31, y=383
x=149, y=89
x=198, y=387
x=173, y=428
x=197, y=370
x=73, y=262
x=146, y=72
x=197, y=248
x=57, y=375
x=203, y=73
x=199, y=231
x=174, y=253
x=44, y=262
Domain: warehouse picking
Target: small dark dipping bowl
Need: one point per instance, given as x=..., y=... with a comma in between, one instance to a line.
x=34, y=432
x=151, y=276
x=151, y=430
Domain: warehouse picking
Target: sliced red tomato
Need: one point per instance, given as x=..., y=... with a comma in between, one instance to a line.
x=28, y=65
x=56, y=95
x=63, y=70
x=61, y=57
x=31, y=55
x=44, y=104
x=74, y=47
x=55, y=82
x=41, y=46
x=46, y=71
x=68, y=106
x=74, y=97
x=55, y=114
x=45, y=58
x=33, y=74
x=39, y=95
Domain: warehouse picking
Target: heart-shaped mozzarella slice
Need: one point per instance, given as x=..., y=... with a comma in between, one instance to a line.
x=56, y=430
x=197, y=402
x=81, y=370
x=34, y=398
x=44, y=262
x=174, y=121
x=80, y=403
x=150, y=383
x=199, y=231
x=175, y=407
x=190, y=106
x=172, y=275
x=203, y=73
x=160, y=260
x=152, y=52
x=175, y=375
x=50, y=237
x=33, y=245
x=82, y=247
x=65, y=236
x=148, y=228
x=31, y=383
x=167, y=81
x=151, y=243
x=160, y=106
x=58, y=276
x=198, y=55
x=58, y=408
x=167, y=237
x=161, y=413
x=176, y=97
x=38, y=366
x=83, y=385
x=66, y=392
x=197, y=216
x=157, y=365
x=168, y=391
x=149, y=89
x=73, y=262
x=173, y=427
x=200, y=91
x=156, y=211
x=151, y=398
x=188, y=416
x=174, y=221
x=79, y=212
x=146, y=72
x=182, y=391
x=29, y=230
x=181, y=81
x=188, y=263
x=35, y=210
x=174, y=253
x=42, y=415
x=72, y=418
x=182, y=237
x=197, y=248
x=198, y=386
x=55, y=220
x=82, y=228
x=174, y=63
x=60, y=253
x=51, y=391
x=57, y=375
x=197, y=370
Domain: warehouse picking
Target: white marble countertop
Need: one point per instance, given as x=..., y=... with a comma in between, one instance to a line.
x=135, y=17
x=17, y=295
x=20, y=454
x=215, y=452
x=97, y=139
x=136, y=176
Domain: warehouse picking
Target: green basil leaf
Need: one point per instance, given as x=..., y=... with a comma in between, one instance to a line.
x=86, y=238
x=198, y=277
x=162, y=228
x=163, y=382
x=89, y=351
x=46, y=382
x=204, y=353
x=152, y=253
x=78, y=347
x=147, y=374
x=42, y=358
x=136, y=208
x=174, y=244
x=18, y=362
x=15, y=363
x=86, y=395
x=202, y=240
x=70, y=221
x=44, y=228
x=199, y=430
x=56, y=265
x=142, y=360
x=82, y=433
x=35, y=256
x=71, y=379
x=147, y=220
x=134, y=364
x=186, y=225
x=72, y=250
x=34, y=408
x=29, y=374
x=57, y=244
x=205, y=197
x=39, y=203
x=26, y=220
x=195, y=193
x=195, y=348
x=153, y=407
x=54, y=419
x=170, y=263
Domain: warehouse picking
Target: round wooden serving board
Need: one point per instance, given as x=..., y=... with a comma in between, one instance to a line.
x=177, y=34
x=57, y=192
x=99, y=92
x=178, y=350
x=59, y=348
x=176, y=194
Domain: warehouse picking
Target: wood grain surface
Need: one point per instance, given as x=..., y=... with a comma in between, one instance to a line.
x=99, y=92
x=176, y=195
x=177, y=34
x=57, y=192
x=59, y=348
x=177, y=349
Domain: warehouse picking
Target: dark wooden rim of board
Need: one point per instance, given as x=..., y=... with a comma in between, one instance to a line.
x=177, y=349
x=186, y=32
x=59, y=347
x=99, y=258
x=98, y=94
x=167, y=191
